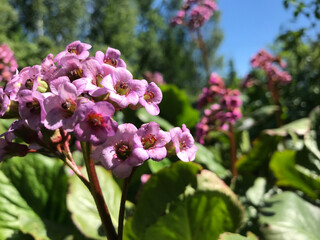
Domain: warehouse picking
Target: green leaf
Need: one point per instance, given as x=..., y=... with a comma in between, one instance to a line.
x=289, y=174
x=205, y=156
x=260, y=154
x=234, y=236
x=312, y=139
x=146, y=118
x=176, y=108
x=203, y=215
x=161, y=189
x=287, y=216
x=157, y=166
x=256, y=192
x=189, y=210
x=16, y=215
x=208, y=181
x=256, y=117
x=43, y=183
x=299, y=127
x=83, y=208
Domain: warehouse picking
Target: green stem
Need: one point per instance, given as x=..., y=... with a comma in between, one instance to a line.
x=122, y=205
x=233, y=150
x=97, y=193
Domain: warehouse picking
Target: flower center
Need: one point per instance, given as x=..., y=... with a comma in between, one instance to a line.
x=123, y=88
x=95, y=119
x=111, y=61
x=34, y=106
x=29, y=84
x=75, y=74
x=149, y=141
x=97, y=81
x=123, y=151
x=148, y=95
x=73, y=50
x=183, y=145
x=69, y=106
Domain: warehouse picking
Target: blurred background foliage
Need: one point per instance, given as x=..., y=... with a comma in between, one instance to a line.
x=140, y=29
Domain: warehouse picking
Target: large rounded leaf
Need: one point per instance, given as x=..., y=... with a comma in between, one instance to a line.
x=234, y=236
x=287, y=217
x=289, y=174
x=16, y=215
x=260, y=154
x=161, y=189
x=203, y=215
x=180, y=203
x=42, y=183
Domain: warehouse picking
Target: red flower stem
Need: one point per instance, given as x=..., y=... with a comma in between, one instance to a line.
x=96, y=192
x=122, y=205
x=202, y=46
x=274, y=89
x=67, y=157
x=233, y=150
x=204, y=51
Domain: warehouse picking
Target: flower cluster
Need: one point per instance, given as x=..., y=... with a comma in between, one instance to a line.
x=225, y=109
x=272, y=66
x=8, y=63
x=194, y=13
x=73, y=94
x=155, y=77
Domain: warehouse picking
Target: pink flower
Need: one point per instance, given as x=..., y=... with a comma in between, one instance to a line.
x=77, y=49
x=151, y=98
x=95, y=122
x=154, y=140
x=112, y=58
x=183, y=143
x=121, y=152
x=122, y=88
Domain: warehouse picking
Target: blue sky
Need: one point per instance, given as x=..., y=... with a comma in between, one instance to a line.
x=250, y=25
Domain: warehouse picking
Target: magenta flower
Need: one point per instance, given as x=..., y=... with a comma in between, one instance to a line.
x=216, y=80
x=155, y=77
x=10, y=149
x=154, y=140
x=28, y=78
x=71, y=67
x=121, y=152
x=60, y=108
x=4, y=102
x=93, y=73
x=179, y=18
x=151, y=98
x=122, y=88
x=48, y=67
x=95, y=122
x=112, y=58
x=231, y=99
x=77, y=49
x=31, y=108
x=183, y=143
x=8, y=63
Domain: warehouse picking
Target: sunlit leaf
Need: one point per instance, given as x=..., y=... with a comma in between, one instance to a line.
x=289, y=174
x=287, y=216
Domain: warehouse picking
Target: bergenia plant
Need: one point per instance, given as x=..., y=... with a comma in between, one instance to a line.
x=193, y=15
x=222, y=110
x=73, y=97
x=273, y=67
